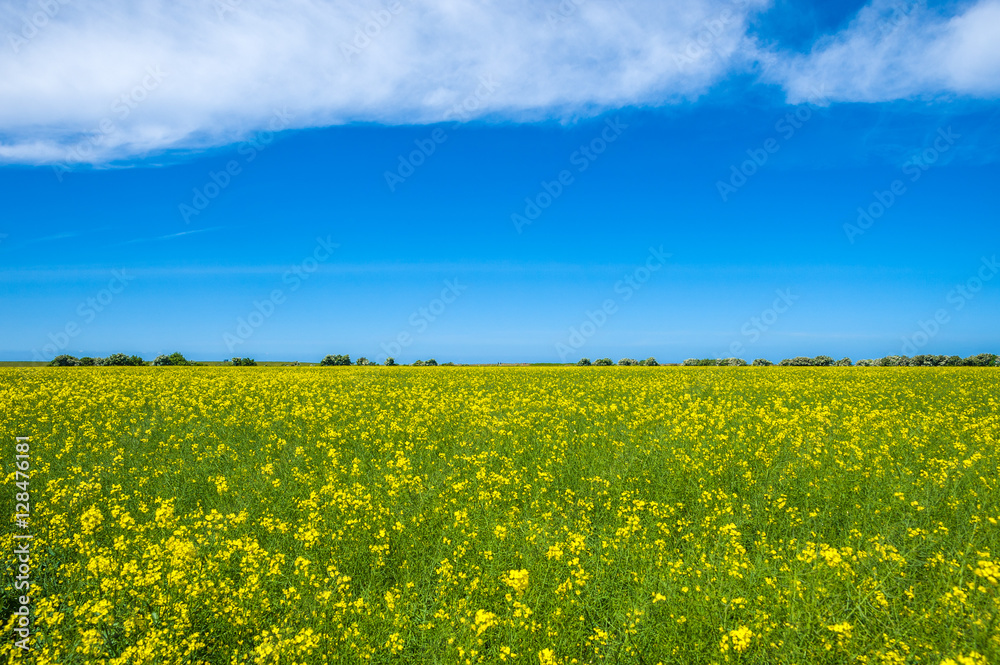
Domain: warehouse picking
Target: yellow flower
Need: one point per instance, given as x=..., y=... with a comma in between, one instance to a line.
x=165, y=514
x=740, y=639
x=91, y=519
x=484, y=621
x=547, y=657
x=517, y=580
x=843, y=630
x=972, y=659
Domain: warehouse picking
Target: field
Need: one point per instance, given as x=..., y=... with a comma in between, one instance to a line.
x=507, y=515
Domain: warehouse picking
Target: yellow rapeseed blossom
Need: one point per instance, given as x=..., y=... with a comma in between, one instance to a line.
x=480, y=514
x=517, y=580
x=547, y=657
x=739, y=638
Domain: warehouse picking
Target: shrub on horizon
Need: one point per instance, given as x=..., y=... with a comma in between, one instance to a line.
x=798, y=361
x=981, y=360
x=121, y=360
x=174, y=358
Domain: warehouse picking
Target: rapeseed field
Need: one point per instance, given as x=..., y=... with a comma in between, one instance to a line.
x=506, y=515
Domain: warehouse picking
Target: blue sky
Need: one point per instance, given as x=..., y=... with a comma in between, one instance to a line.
x=626, y=190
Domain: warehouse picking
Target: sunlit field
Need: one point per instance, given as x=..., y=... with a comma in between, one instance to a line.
x=507, y=515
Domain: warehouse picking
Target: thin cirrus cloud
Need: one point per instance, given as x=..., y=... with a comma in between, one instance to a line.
x=98, y=82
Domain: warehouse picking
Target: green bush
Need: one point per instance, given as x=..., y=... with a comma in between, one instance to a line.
x=120, y=360
x=981, y=360
x=174, y=358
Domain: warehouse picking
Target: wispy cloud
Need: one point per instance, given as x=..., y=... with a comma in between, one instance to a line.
x=170, y=236
x=107, y=80
x=65, y=235
x=899, y=49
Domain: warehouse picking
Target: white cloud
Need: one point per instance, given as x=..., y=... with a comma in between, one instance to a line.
x=899, y=49
x=95, y=81
x=208, y=73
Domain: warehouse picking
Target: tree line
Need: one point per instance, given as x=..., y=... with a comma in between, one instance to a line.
x=122, y=360
x=925, y=360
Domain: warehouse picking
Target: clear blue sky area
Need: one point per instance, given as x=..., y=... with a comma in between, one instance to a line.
x=739, y=221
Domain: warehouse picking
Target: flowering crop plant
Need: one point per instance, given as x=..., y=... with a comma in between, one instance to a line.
x=507, y=515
